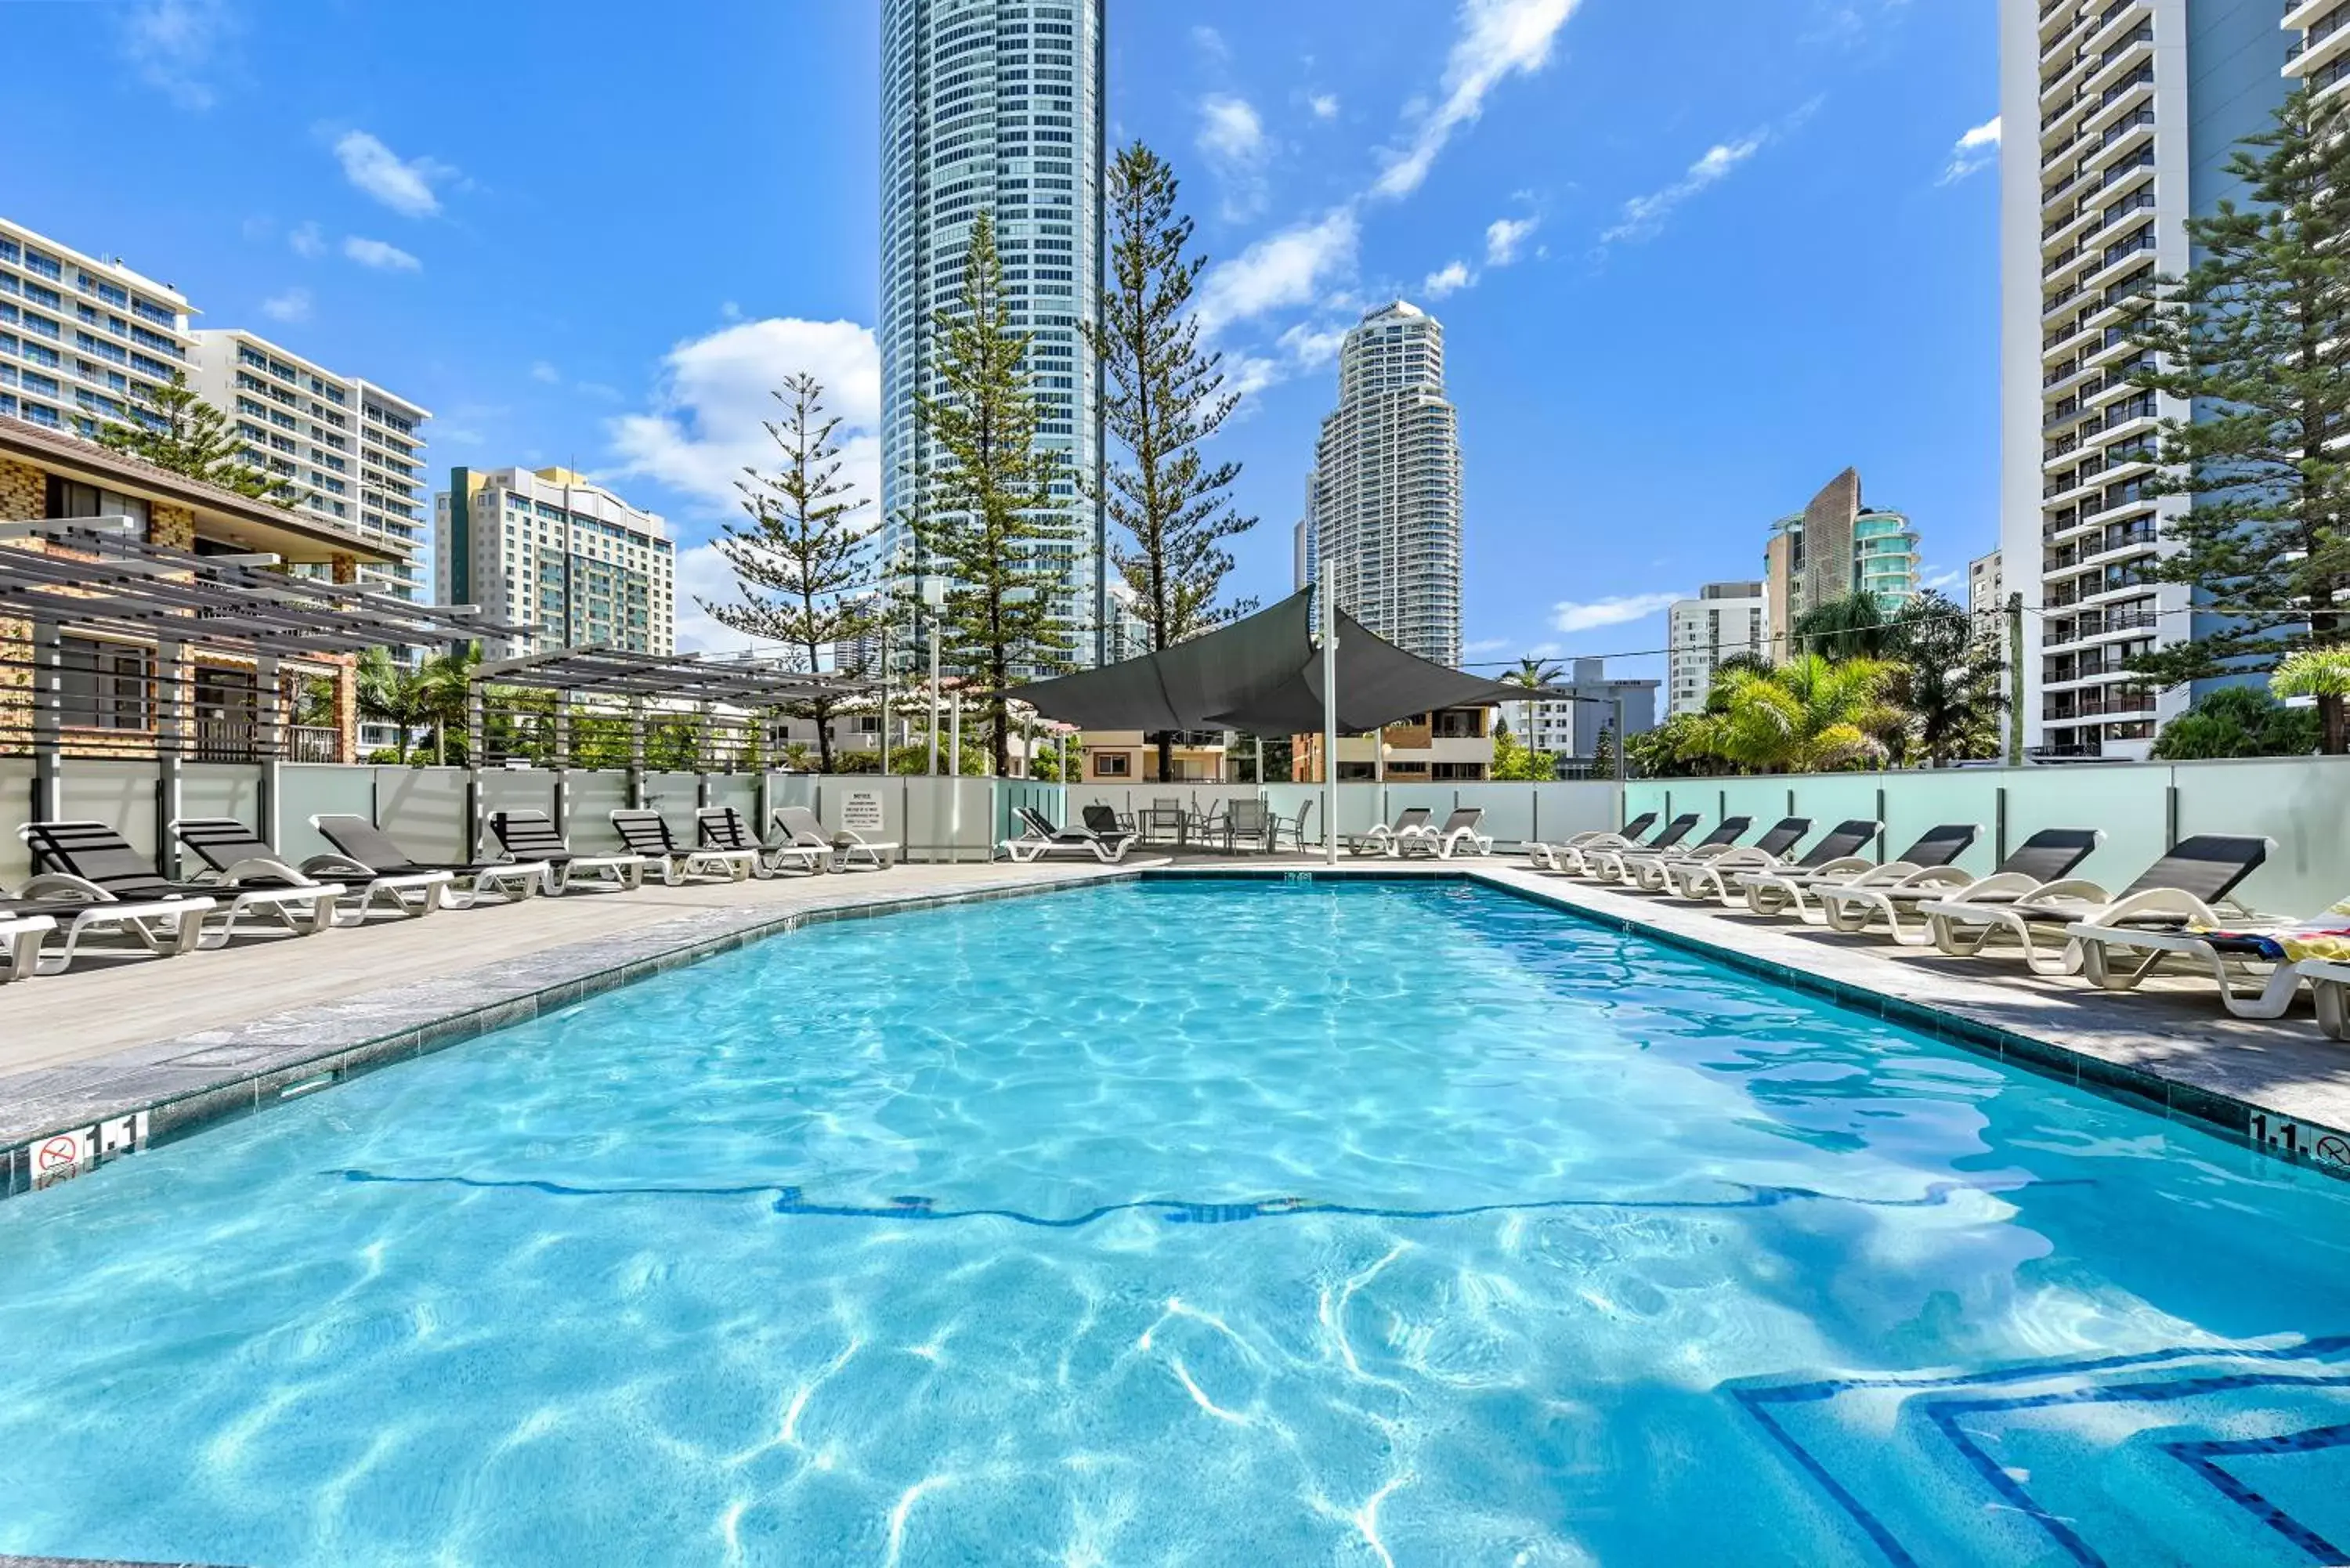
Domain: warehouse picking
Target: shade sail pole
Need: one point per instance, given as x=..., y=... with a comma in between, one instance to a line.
x=1329, y=721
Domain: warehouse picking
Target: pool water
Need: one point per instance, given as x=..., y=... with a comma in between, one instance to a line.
x=1187, y=1223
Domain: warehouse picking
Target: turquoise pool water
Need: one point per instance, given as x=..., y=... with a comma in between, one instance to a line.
x=1202, y=1224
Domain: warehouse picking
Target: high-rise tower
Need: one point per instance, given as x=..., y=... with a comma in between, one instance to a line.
x=996, y=106
x=2119, y=119
x=1385, y=495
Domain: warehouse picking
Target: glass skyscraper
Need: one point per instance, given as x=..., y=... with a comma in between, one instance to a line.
x=996, y=106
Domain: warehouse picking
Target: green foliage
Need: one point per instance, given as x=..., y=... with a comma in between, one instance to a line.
x=915, y=760
x=802, y=563
x=2238, y=722
x=1811, y=714
x=2323, y=673
x=178, y=430
x=2255, y=334
x=1165, y=396
x=1952, y=682
x=1680, y=747
x=1854, y=627
x=1515, y=761
x=987, y=519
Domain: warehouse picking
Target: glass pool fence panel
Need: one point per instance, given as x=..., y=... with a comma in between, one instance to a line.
x=513, y=789
x=15, y=806
x=1288, y=799
x=306, y=790
x=424, y=809
x=1832, y=799
x=675, y=796
x=873, y=806
x=2302, y=802
x=595, y=795
x=948, y=819
x=739, y=791
x=1011, y=795
x=1520, y=813
x=1915, y=803
x=214, y=789
x=2129, y=802
x=119, y=792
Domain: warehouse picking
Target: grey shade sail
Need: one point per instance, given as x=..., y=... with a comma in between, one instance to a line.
x=1262, y=676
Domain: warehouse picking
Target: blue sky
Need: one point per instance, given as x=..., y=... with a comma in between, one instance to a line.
x=1691, y=259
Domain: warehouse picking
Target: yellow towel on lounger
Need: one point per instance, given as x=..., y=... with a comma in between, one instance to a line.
x=2327, y=937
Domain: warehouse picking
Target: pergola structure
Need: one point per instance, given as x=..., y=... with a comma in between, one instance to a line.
x=642, y=691
x=137, y=616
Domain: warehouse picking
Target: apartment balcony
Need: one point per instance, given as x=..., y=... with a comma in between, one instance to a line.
x=2301, y=14
x=2327, y=45
x=2126, y=543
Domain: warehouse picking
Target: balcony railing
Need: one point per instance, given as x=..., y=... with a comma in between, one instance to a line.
x=244, y=741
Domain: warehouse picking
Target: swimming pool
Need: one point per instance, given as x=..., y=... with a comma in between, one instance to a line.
x=1204, y=1224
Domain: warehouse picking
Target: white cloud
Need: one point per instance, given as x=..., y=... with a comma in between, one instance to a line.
x=1325, y=105
x=1231, y=128
x=1211, y=42
x=1978, y=149
x=1941, y=580
x=1644, y=216
x=1569, y=616
x=540, y=370
x=293, y=304
x=704, y=426
x=1249, y=374
x=1447, y=279
x=1498, y=38
x=403, y=185
x=1310, y=346
x=174, y=46
x=1282, y=269
x=1503, y=237
x=308, y=241
x=1486, y=645
x=377, y=254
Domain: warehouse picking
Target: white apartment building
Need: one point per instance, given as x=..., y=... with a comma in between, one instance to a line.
x=547, y=548
x=1725, y=619
x=2119, y=118
x=2319, y=52
x=998, y=106
x=1986, y=585
x=1384, y=498
x=75, y=330
x=349, y=448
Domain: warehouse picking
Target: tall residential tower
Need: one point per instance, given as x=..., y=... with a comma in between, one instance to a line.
x=996, y=106
x=1384, y=500
x=2120, y=116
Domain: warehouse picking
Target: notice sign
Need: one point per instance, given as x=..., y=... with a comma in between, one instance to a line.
x=62, y=1156
x=860, y=810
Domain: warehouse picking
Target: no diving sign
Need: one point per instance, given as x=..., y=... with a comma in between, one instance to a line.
x=62, y=1156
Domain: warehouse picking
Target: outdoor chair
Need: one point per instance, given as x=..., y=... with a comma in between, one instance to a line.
x=646, y=835
x=238, y=856
x=1247, y=823
x=2046, y=856
x=1382, y=839
x=1038, y=838
x=2257, y=964
x=528, y=836
x=91, y=861
x=20, y=944
x=1653, y=873
x=1777, y=892
x=1617, y=863
x=1165, y=817
x=364, y=850
x=1290, y=829
x=2189, y=884
x=2329, y=985
x=1719, y=880
x=722, y=828
x=1546, y=856
x=1459, y=831
x=1582, y=860
x=844, y=847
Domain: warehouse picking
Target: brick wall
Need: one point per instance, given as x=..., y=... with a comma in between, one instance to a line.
x=24, y=491
x=171, y=525
x=24, y=494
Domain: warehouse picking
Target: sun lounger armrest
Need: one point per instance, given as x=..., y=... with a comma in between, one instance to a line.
x=51, y=883
x=1935, y=877
x=336, y=866
x=2157, y=901
x=1846, y=865
x=2071, y=888
x=264, y=866
x=2003, y=886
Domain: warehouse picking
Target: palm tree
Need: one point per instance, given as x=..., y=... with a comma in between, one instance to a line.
x=447, y=682
x=2323, y=673
x=1810, y=714
x=1854, y=627
x=388, y=694
x=1533, y=673
x=1950, y=682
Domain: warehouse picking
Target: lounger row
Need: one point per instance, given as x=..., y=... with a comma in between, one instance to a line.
x=90, y=884
x=2181, y=911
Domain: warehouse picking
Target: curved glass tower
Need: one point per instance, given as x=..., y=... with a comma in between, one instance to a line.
x=996, y=106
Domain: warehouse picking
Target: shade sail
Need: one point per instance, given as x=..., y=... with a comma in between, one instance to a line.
x=1262, y=676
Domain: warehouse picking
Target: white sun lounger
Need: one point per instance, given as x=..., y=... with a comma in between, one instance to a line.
x=1038, y=838
x=20, y=944
x=2046, y=856
x=1546, y=855
x=2189, y=884
x=1780, y=892
x=722, y=828
x=647, y=836
x=237, y=854
x=1628, y=863
x=844, y=847
x=1458, y=832
x=91, y=860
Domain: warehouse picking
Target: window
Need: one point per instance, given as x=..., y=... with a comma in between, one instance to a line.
x=1111, y=764
x=106, y=685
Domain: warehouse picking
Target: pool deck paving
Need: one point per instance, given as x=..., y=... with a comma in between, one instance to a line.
x=191, y=1039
